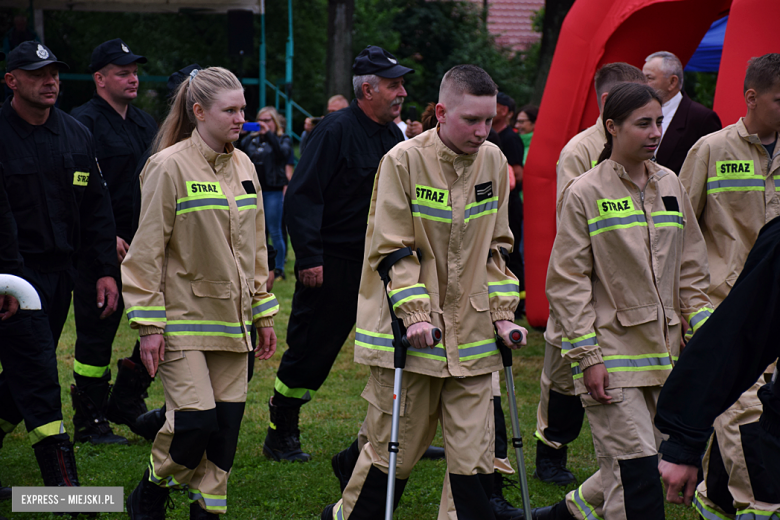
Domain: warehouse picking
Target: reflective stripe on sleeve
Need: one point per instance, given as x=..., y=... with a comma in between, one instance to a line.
x=667, y=219
x=248, y=201
x=698, y=318
x=149, y=314
x=504, y=288
x=85, y=370
x=481, y=208
x=204, y=328
x=583, y=341
x=721, y=184
x=265, y=307
x=640, y=363
x=422, y=210
x=46, y=430
x=405, y=294
x=612, y=221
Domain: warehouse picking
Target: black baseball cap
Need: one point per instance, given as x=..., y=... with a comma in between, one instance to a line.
x=113, y=51
x=32, y=55
x=175, y=79
x=504, y=99
x=377, y=61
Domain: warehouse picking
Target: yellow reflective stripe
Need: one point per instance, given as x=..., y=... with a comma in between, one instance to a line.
x=707, y=512
x=583, y=341
x=720, y=184
x=204, y=328
x=405, y=294
x=477, y=349
x=297, y=393
x=424, y=209
x=587, y=510
x=481, y=208
x=248, y=201
x=85, y=370
x=201, y=202
x=698, y=318
x=667, y=219
x=265, y=307
x=46, y=430
x=504, y=288
x=777, y=182
x=146, y=314
x=168, y=481
x=755, y=514
x=616, y=220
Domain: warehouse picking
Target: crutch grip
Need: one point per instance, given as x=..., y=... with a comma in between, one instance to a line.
x=436, y=333
x=516, y=336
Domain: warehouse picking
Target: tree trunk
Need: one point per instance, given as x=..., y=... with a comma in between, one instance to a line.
x=554, y=14
x=339, y=58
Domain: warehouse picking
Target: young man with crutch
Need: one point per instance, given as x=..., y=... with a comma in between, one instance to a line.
x=444, y=195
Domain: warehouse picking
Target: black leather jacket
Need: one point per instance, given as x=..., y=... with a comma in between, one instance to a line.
x=269, y=154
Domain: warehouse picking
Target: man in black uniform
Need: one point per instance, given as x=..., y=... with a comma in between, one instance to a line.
x=326, y=208
x=122, y=133
x=62, y=210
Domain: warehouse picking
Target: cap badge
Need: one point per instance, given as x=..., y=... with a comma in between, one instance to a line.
x=391, y=60
x=124, y=48
x=42, y=52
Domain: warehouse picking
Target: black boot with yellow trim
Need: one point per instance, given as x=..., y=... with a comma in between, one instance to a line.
x=283, y=439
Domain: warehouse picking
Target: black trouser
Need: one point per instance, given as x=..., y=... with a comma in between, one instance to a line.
x=29, y=385
x=320, y=322
x=515, y=264
x=94, y=337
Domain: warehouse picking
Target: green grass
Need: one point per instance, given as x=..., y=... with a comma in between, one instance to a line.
x=260, y=489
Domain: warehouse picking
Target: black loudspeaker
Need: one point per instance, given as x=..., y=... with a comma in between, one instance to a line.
x=241, y=32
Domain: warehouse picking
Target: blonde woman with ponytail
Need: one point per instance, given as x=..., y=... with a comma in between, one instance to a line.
x=628, y=263
x=195, y=286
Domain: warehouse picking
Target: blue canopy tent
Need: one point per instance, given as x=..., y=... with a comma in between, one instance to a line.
x=707, y=55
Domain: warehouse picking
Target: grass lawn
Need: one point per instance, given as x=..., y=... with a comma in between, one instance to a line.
x=260, y=489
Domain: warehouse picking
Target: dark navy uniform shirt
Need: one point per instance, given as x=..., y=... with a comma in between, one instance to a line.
x=120, y=144
x=327, y=200
x=56, y=192
x=10, y=261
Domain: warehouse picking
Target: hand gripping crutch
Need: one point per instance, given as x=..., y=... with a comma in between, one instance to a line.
x=517, y=438
x=400, y=344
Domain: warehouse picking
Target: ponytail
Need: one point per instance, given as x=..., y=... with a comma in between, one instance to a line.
x=607, y=151
x=201, y=87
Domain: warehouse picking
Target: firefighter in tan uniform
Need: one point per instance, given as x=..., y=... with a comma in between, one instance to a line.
x=560, y=413
x=628, y=261
x=733, y=178
x=194, y=285
x=445, y=193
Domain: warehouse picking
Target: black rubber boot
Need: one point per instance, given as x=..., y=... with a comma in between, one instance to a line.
x=147, y=425
x=89, y=423
x=502, y=509
x=57, y=463
x=198, y=513
x=327, y=513
x=551, y=465
x=283, y=439
x=433, y=453
x=343, y=464
x=5, y=493
x=148, y=501
x=558, y=511
x=127, y=397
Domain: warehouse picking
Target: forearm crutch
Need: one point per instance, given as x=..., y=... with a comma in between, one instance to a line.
x=400, y=344
x=517, y=438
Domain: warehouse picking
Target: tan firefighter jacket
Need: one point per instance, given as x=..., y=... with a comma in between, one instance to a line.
x=625, y=264
x=197, y=267
x=454, y=209
x=733, y=185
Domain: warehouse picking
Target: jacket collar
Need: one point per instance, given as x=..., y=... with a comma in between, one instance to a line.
x=216, y=160
x=744, y=134
x=370, y=126
x=655, y=170
x=445, y=153
x=22, y=128
x=600, y=128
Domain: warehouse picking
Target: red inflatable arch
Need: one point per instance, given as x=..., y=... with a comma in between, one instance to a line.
x=597, y=32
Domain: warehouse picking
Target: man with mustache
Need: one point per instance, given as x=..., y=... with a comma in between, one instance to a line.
x=62, y=211
x=122, y=135
x=326, y=210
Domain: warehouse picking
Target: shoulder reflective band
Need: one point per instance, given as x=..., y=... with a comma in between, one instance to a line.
x=89, y=370
x=588, y=340
x=168, y=481
x=612, y=221
x=504, y=288
x=482, y=208
x=384, y=342
x=46, y=430
x=667, y=219
x=80, y=178
x=213, y=502
x=705, y=511
x=146, y=314
x=246, y=201
x=265, y=307
x=204, y=328
x=297, y=393
x=423, y=209
x=587, y=510
x=478, y=349
x=640, y=363
x=698, y=318
x=199, y=203
x=405, y=294
x=433, y=197
x=197, y=188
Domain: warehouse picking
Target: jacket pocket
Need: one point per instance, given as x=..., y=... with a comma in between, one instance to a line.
x=208, y=289
x=672, y=318
x=480, y=301
x=615, y=393
x=637, y=315
x=379, y=391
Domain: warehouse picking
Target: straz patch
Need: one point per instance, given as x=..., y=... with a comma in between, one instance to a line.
x=195, y=188
x=608, y=206
x=733, y=168
x=80, y=178
x=484, y=191
x=434, y=196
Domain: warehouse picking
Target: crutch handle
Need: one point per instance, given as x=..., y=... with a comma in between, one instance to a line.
x=436, y=333
x=516, y=336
